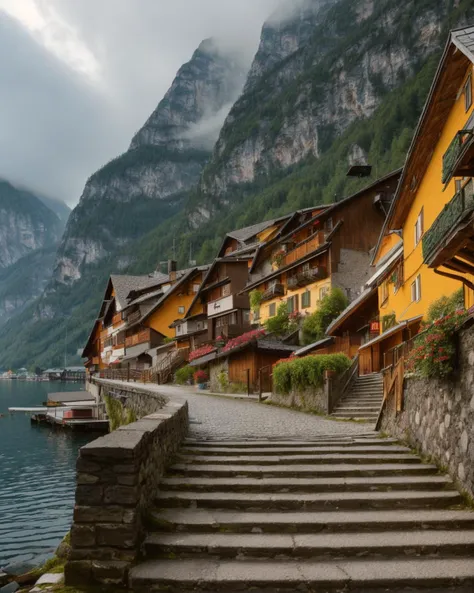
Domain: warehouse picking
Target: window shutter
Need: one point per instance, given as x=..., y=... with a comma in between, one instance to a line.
x=291, y=306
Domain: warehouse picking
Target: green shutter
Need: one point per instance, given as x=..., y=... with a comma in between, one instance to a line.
x=291, y=305
x=306, y=300
x=272, y=310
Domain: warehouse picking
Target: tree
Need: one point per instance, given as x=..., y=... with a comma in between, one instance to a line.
x=330, y=307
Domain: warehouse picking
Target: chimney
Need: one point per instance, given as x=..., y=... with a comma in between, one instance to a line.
x=172, y=270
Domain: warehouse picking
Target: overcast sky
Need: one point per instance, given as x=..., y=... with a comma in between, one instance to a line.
x=79, y=77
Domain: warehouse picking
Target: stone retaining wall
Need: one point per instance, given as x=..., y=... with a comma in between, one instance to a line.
x=308, y=400
x=140, y=400
x=117, y=479
x=438, y=417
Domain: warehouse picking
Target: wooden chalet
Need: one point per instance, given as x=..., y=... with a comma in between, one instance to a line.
x=320, y=249
x=151, y=312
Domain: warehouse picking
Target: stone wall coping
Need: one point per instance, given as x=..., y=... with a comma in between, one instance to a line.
x=126, y=439
x=131, y=387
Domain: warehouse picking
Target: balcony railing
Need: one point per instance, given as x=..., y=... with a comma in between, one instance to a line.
x=307, y=277
x=273, y=291
x=304, y=249
x=460, y=206
x=134, y=317
x=140, y=338
x=456, y=149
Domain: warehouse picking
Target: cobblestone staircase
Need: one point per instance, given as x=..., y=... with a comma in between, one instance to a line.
x=363, y=400
x=356, y=514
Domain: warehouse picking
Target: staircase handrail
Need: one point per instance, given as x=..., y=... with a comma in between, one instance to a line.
x=342, y=383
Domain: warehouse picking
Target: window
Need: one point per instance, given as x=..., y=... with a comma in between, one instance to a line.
x=384, y=292
x=179, y=330
x=416, y=290
x=323, y=292
x=468, y=93
x=329, y=225
x=181, y=310
x=419, y=227
x=272, y=310
x=226, y=290
x=306, y=267
x=196, y=288
x=256, y=315
x=246, y=317
x=292, y=304
x=306, y=300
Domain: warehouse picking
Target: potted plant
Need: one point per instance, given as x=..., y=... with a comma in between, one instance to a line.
x=220, y=341
x=201, y=378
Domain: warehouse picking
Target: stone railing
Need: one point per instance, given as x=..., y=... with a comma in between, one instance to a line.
x=118, y=476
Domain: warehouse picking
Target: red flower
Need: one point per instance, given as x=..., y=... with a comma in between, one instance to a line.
x=201, y=352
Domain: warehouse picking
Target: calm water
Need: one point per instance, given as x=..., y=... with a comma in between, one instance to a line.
x=37, y=476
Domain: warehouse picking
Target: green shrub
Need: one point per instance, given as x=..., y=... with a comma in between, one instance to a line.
x=223, y=380
x=183, y=375
x=304, y=373
x=330, y=307
x=446, y=305
x=280, y=324
x=434, y=354
x=255, y=297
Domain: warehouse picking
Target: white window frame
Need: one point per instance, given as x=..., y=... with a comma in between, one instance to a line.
x=181, y=310
x=467, y=92
x=416, y=290
x=419, y=227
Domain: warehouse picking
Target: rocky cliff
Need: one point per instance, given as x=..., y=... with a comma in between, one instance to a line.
x=145, y=185
x=29, y=235
x=317, y=71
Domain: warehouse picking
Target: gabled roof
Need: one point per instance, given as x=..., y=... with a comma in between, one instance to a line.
x=441, y=98
x=123, y=286
x=363, y=298
x=248, y=232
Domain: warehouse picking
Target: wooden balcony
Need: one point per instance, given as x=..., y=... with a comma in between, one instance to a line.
x=134, y=317
x=117, y=319
x=272, y=292
x=307, y=277
x=444, y=234
x=104, y=334
x=141, y=337
x=458, y=160
x=304, y=249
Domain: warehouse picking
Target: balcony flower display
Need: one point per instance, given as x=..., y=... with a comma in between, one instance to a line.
x=200, y=352
x=244, y=339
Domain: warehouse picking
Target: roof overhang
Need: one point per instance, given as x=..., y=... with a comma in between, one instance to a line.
x=351, y=309
x=314, y=346
x=393, y=330
x=396, y=255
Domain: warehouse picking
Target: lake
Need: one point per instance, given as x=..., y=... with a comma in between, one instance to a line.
x=37, y=477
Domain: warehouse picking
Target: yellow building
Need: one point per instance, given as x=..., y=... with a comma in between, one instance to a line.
x=425, y=251
x=432, y=194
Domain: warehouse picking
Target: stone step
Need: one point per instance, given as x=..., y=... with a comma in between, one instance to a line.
x=328, y=501
x=357, y=408
x=176, y=576
x=336, y=470
x=202, y=521
x=307, y=484
x=372, y=438
x=220, y=451
x=322, y=458
x=354, y=415
x=315, y=546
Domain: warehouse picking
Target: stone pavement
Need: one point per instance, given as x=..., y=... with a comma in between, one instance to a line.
x=224, y=418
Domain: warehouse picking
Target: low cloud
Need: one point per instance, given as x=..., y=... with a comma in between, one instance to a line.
x=64, y=115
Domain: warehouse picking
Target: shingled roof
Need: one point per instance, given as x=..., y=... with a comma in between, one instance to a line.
x=123, y=285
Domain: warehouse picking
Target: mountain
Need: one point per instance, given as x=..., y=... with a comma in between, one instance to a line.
x=333, y=82
x=131, y=194
x=61, y=209
x=29, y=235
